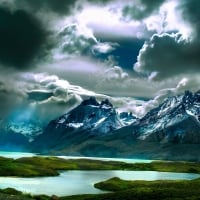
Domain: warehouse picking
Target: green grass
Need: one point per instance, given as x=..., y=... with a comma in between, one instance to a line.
x=116, y=184
x=133, y=190
x=11, y=167
x=49, y=166
x=188, y=167
x=150, y=189
x=121, y=189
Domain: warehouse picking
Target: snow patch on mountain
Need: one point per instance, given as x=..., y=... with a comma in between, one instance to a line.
x=29, y=130
x=95, y=117
x=174, y=118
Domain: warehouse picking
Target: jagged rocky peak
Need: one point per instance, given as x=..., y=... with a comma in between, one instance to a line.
x=93, y=102
x=106, y=102
x=126, y=115
x=90, y=115
x=188, y=97
x=127, y=118
x=177, y=117
x=90, y=101
x=178, y=104
x=198, y=92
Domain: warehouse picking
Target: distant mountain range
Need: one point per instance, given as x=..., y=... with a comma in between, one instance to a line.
x=17, y=135
x=170, y=131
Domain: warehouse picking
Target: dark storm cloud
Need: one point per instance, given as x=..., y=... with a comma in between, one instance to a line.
x=7, y=103
x=191, y=14
x=100, y=1
x=168, y=55
x=122, y=52
x=61, y=7
x=2, y=87
x=75, y=42
x=10, y=97
x=21, y=37
x=39, y=95
x=142, y=10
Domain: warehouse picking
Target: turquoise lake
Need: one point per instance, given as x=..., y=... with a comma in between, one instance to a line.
x=81, y=181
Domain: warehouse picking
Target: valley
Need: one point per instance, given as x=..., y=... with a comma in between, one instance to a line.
x=89, y=144
x=62, y=175
x=99, y=100
x=171, y=131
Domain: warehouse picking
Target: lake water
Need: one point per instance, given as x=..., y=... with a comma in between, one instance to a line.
x=127, y=160
x=81, y=182
x=16, y=155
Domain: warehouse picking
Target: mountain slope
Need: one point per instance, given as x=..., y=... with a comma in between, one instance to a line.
x=170, y=131
x=29, y=129
x=12, y=141
x=90, y=119
x=176, y=120
x=16, y=135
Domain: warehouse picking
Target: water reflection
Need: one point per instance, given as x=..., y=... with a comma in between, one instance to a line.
x=81, y=182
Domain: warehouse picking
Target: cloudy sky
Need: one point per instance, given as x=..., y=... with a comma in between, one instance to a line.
x=54, y=53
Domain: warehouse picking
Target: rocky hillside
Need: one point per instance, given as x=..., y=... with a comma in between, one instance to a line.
x=91, y=119
x=170, y=131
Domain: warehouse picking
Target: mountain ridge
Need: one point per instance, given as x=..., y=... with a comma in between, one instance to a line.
x=169, y=131
x=89, y=119
x=174, y=124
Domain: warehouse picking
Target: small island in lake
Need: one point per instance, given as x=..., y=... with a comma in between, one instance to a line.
x=121, y=189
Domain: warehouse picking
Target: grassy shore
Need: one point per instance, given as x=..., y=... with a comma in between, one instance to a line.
x=121, y=189
x=144, y=190
x=125, y=190
x=151, y=189
x=37, y=166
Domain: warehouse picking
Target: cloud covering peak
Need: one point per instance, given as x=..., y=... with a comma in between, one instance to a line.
x=55, y=53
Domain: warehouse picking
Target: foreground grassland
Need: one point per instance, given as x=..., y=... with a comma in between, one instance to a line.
x=120, y=189
x=125, y=190
x=49, y=166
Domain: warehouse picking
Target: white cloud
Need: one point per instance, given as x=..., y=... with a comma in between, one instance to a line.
x=128, y=104
x=117, y=82
x=108, y=21
x=72, y=41
x=104, y=48
x=171, y=59
x=141, y=9
x=47, y=96
x=168, y=19
x=184, y=84
x=115, y=73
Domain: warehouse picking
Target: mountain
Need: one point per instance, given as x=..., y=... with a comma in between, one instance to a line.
x=28, y=129
x=16, y=134
x=88, y=120
x=176, y=120
x=170, y=131
x=12, y=141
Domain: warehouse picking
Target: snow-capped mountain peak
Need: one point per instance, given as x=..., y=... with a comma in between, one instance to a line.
x=98, y=117
x=173, y=117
